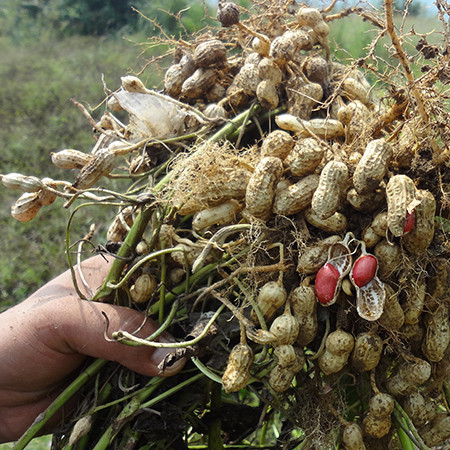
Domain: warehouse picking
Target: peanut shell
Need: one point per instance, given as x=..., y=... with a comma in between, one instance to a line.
x=332, y=182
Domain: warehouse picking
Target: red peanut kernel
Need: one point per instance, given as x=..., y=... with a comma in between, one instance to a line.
x=364, y=270
x=326, y=282
x=409, y=222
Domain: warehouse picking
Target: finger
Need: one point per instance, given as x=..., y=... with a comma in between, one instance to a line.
x=83, y=331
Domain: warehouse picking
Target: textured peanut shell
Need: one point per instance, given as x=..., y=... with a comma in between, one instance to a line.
x=271, y=296
x=247, y=79
x=437, y=336
x=366, y=352
x=367, y=202
x=379, y=224
x=305, y=156
x=26, y=207
x=302, y=97
x=438, y=280
x=267, y=94
x=174, y=78
x=284, y=329
x=210, y=53
x=237, y=372
x=389, y=258
x=70, y=159
x=268, y=70
x=143, y=288
x=216, y=215
x=438, y=431
x=118, y=228
x=278, y=143
x=227, y=183
x=378, y=422
x=101, y=164
x=409, y=376
x=419, y=410
x=304, y=308
x=372, y=166
x=333, y=224
x=352, y=437
x=280, y=378
x=393, y=316
x=198, y=83
x=46, y=197
x=23, y=182
x=332, y=182
x=285, y=355
x=354, y=90
x=414, y=295
x=419, y=239
x=261, y=187
x=331, y=363
x=370, y=238
x=296, y=197
x=400, y=193
x=312, y=259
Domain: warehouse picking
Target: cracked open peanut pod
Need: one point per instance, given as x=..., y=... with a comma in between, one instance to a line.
x=237, y=372
x=26, y=207
x=422, y=233
x=400, y=196
x=370, y=299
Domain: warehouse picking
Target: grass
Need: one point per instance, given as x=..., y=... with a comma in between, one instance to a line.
x=37, y=117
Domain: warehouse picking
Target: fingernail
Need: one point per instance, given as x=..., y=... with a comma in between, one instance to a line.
x=168, y=361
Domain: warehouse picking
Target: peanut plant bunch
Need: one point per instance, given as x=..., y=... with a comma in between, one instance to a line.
x=286, y=220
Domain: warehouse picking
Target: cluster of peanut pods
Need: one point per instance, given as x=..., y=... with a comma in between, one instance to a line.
x=369, y=259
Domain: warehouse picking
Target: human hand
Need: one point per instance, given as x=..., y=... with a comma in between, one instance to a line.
x=48, y=336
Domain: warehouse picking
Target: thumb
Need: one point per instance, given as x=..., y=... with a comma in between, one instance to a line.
x=83, y=331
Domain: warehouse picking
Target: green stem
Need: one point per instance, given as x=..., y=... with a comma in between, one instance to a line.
x=62, y=398
x=401, y=417
x=126, y=414
x=215, y=428
x=133, y=236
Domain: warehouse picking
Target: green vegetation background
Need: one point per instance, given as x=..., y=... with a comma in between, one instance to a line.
x=53, y=50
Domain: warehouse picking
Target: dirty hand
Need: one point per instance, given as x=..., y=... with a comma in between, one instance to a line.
x=48, y=336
